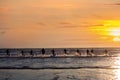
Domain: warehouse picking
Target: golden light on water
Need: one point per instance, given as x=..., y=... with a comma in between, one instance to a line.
x=117, y=71
x=109, y=28
x=117, y=74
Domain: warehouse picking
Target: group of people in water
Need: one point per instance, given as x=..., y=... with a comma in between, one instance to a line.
x=89, y=52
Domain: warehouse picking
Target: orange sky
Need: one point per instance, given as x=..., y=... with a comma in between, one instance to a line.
x=59, y=23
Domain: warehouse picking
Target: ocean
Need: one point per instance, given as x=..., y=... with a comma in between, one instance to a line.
x=91, y=64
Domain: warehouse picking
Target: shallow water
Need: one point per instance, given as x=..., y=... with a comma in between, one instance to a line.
x=61, y=74
x=81, y=68
x=92, y=68
x=84, y=62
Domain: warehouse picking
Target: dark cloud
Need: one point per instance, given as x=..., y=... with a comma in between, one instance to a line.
x=97, y=16
x=98, y=25
x=64, y=23
x=115, y=4
x=3, y=32
x=84, y=24
x=90, y=25
x=41, y=23
x=77, y=39
x=67, y=25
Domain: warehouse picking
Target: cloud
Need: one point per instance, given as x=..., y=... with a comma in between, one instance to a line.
x=64, y=23
x=67, y=25
x=82, y=24
x=41, y=23
x=90, y=25
x=3, y=32
x=34, y=26
x=98, y=16
x=97, y=25
x=115, y=4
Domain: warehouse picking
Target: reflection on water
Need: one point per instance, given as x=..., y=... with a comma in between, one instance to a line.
x=117, y=65
x=87, y=68
x=117, y=74
x=116, y=62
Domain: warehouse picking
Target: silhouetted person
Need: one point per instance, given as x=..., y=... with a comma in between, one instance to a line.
x=8, y=53
x=43, y=51
x=22, y=52
x=31, y=53
x=53, y=53
x=78, y=52
x=92, y=51
x=87, y=51
x=106, y=52
x=65, y=51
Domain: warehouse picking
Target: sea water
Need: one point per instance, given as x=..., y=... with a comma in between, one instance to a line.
x=63, y=68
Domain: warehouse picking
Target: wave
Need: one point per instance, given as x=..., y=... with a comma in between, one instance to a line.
x=59, y=52
x=86, y=67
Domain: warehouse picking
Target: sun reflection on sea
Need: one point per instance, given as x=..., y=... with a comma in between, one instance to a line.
x=116, y=65
x=116, y=62
x=117, y=74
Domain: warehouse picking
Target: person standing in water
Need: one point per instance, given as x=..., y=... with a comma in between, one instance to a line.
x=92, y=51
x=53, y=52
x=87, y=52
x=43, y=51
x=78, y=52
x=106, y=52
x=31, y=53
x=8, y=53
x=23, y=55
x=65, y=51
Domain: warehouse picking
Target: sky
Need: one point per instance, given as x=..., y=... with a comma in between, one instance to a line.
x=59, y=23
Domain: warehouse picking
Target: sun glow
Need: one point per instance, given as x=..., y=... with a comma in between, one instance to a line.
x=110, y=28
x=115, y=31
x=116, y=39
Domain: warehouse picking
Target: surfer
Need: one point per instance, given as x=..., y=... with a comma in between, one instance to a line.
x=92, y=51
x=106, y=52
x=53, y=52
x=8, y=53
x=88, y=53
x=78, y=52
x=43, y=51
x=31, y=53
x=65, y=51
x=22, y=52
